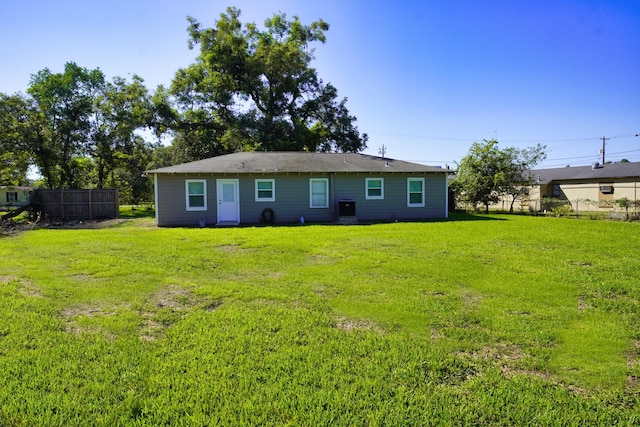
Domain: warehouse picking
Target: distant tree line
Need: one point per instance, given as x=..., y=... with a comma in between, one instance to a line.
x=249, y=89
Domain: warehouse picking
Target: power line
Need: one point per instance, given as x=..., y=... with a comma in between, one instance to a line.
x=540, y=140
x=544, y=161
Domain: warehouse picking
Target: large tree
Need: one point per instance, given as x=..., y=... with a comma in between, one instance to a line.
x=518, y=176
x=121, y=109
x=486, y=173
x=253, y=88
x=18, y=123
x=65, y=102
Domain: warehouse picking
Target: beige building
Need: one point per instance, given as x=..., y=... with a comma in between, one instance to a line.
x=12, y=196
x=586, y=188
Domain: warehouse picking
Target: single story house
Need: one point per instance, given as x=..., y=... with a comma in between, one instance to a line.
x=14, y=196
x=289, y=187
x=587, y=188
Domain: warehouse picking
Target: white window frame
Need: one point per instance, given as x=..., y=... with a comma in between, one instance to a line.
x=326, y=197
x=366, y=189
x=186, y=190
x=273, y=190
x=415, y=205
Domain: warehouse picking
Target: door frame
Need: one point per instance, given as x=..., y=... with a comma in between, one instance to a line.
x=236, y=188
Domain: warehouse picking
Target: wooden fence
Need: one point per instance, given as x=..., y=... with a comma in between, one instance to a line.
x=79, y=204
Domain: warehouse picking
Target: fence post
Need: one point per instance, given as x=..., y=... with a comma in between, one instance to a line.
x=90, y=207
x=62, y=203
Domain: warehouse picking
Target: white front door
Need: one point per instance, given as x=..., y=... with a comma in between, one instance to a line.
x=228, y=201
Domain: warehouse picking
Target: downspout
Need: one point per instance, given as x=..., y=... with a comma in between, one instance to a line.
x=155, y=194
x=446, y=197
x=332, y=193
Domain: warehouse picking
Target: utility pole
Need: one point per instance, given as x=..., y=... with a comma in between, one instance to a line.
x=382, y=150
x=603, y=144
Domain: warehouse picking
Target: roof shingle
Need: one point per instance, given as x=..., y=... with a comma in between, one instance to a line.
x=606, y=171
x=276, y=162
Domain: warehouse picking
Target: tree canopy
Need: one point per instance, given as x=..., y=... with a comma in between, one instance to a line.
x=249, y=89
x=254, y=89
x=487, y=172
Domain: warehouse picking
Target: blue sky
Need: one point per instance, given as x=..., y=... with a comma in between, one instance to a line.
x=424, y=78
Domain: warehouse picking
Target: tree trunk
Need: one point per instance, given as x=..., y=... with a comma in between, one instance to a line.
x=15, y=212
x=511, y=207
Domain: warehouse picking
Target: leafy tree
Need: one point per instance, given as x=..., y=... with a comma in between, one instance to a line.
x=255, y=89
x=65, y=104
x=16, y=120
x=121, y=109
x=517, y=175
x=487, y=172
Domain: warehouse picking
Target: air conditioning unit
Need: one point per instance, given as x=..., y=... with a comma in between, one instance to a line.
x=606, y=189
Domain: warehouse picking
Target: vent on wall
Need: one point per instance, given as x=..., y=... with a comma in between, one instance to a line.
x=606, y=189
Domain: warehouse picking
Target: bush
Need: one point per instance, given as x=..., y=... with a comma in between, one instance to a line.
x=562, y=210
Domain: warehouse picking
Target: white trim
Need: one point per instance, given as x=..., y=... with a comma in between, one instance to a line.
x=415, y=205
x=155, y=195
x=366, y=188
x=236, y=200
x=326, y=198
x=273, y=190
x=446, y=197
x=204, y=189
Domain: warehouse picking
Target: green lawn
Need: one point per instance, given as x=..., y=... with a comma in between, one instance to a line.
x=480, y=320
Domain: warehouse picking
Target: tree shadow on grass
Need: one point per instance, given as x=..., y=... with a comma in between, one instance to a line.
x=141, y=211
x=465, y=216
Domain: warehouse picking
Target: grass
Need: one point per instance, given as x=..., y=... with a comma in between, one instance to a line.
x=499, y=320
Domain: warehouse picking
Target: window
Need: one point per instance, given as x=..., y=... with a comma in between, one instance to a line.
x=12, y=196
x=415, y=192
x=555, y=190
x=374, y=188
x=606, y=189
x=196, y=190
x=319, y=192
x=265, y=190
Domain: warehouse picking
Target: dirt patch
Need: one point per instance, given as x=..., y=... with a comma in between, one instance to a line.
x=73, y=316
x=173, y=297
x=10, y=227
x=23, y=286
x=349, y=325
x=84, y=224
x=84, y=310
x=28, y=289
x=169, y=305
x=582, y=303
x=499, y=353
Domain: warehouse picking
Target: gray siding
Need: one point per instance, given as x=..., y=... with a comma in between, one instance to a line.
x=292, y=198
x=171, y=205
x=394, y=205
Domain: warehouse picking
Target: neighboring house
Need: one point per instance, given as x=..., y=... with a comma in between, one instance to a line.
x=588, y=188
x=288, y=187
x=14, y=196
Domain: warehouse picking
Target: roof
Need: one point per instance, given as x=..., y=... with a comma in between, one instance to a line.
x=606, y=171
x=284, y=162
x=15, y=187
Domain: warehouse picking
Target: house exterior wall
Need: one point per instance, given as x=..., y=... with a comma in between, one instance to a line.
x=583, y=195
x=588, y=196
x=292, y=198
x=22, y=194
